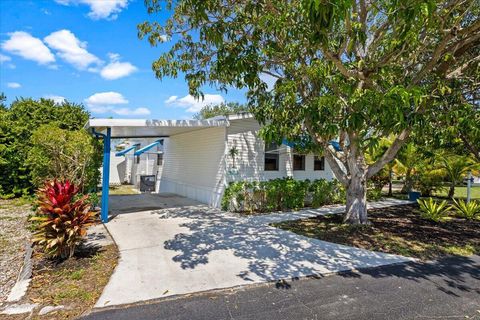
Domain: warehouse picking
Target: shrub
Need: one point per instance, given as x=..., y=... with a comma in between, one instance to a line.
x=470, y=210
x=65, y=154
x=62, y=220
x=326, y=192
x=280, y=194
x=432, y=210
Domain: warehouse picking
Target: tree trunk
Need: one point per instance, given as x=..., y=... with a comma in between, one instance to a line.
x=408, y=185
x=356, y=211
x=451, y=191
x=390, y=187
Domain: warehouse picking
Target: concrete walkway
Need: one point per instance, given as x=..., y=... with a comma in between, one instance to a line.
x=192, y=248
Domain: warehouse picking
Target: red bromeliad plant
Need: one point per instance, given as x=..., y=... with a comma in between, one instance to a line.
x=63, y=220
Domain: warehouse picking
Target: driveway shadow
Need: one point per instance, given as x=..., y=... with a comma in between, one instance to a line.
x=272, y=253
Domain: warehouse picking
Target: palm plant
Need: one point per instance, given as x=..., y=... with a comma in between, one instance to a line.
x=456, y=167
x=408, y=158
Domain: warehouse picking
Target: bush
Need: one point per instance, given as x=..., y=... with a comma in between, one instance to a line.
x=325, y=192
x=280, y=194
x=432, y=210
x=62, y=220
x=65, y=154
x=470, y=210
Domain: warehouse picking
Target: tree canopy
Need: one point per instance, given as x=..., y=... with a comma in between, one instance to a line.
x=17, y=124
x=222, y=109
x=355, y=71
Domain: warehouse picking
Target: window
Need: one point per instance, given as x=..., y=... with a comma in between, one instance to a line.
x=319, y=163
x=299, y=162
x=137, y=159
x=159, y=159
x=271, y=157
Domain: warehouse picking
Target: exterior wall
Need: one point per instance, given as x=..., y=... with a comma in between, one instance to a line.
x=243, y=134
x=117, y=169
x=194, y=165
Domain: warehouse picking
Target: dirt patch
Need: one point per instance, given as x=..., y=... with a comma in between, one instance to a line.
x=76, y=283
x=398, y=230
x=13, y=237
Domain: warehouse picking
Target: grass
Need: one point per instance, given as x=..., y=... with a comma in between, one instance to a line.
x=397, y=230
x=124, y=189
x=75, y=283
x=460, y=192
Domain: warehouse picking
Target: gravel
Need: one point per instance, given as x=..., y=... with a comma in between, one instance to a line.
x=13, y=237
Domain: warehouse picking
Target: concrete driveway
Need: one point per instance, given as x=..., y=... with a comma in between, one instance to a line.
x=185, y=247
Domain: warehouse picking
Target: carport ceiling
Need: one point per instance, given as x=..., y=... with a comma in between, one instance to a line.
x=141, y=128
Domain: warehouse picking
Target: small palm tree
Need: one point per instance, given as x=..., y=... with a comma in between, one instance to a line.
x=456, y=167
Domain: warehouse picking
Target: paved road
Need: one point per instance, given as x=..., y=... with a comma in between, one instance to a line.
x=446, y=289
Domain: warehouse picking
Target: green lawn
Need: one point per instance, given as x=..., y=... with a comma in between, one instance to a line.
x=460, y=192
x=124, y=189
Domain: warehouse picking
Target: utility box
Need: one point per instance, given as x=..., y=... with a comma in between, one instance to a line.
x=147, y=183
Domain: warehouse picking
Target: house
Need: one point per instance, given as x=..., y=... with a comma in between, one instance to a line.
x=197, y=157
x=135, y=158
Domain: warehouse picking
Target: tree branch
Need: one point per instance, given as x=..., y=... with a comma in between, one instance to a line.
x=390, y=154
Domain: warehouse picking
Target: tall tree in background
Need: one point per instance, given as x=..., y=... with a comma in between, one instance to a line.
x=352, y=70
x=222, y=109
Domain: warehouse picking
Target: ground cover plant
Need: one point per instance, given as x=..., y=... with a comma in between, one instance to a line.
x=398, y=230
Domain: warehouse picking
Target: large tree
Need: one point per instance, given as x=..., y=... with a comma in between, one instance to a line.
x=348, y=70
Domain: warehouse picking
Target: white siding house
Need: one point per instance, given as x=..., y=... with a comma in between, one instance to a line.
x=196, y=155
x=198, y=165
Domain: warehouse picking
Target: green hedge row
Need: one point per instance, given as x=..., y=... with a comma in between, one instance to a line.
x=281, y=194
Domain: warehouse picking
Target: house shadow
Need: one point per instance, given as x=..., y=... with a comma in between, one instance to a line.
x=271, y=254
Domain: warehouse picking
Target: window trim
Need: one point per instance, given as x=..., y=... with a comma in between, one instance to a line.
x=321, y=159
x=303, y=166
x=272, y=150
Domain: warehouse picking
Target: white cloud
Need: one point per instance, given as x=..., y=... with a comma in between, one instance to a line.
x=4, y=58
x=131, y=112
x=28, y=47
x=105, y=99
x=116, y=69
x=14, y=85
x=104, y=102
x=100, y=9
x=72, y=50
x=164, y=38
x=193, y=105
x=55, y=98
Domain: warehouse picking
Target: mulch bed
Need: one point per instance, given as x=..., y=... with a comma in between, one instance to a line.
x=398, y=230
x=76, y=283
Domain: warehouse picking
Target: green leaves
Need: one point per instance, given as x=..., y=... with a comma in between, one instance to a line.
x=17, y=123
x=435, y=211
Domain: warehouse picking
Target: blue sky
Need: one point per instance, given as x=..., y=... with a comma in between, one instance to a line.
x=87, y=51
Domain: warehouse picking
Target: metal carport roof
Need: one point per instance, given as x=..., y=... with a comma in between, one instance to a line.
x=142, y=128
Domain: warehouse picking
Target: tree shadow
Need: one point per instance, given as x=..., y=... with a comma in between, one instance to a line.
x=271, y=254
x=451, y=274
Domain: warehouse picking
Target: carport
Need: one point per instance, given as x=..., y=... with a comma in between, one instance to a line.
x=108, y=129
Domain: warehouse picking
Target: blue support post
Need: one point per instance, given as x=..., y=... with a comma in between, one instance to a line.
x=106, y=175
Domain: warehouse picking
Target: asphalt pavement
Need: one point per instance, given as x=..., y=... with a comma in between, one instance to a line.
x=448, y=288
